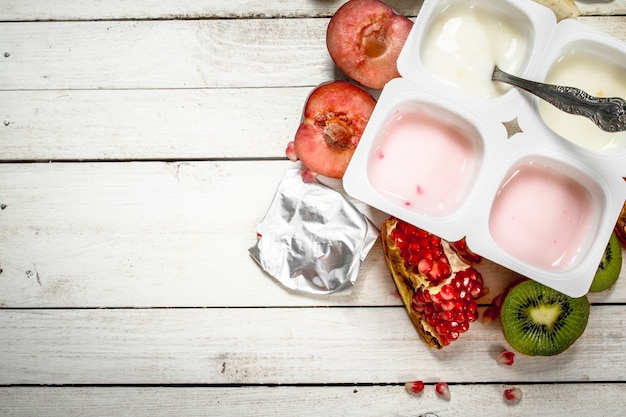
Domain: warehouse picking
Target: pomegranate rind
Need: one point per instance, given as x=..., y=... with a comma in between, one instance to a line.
x=364, y=39
x=415, y=288
x=334, y=118
x=406, y=281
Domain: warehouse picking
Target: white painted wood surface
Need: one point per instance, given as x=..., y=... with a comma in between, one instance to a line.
x=140, y=146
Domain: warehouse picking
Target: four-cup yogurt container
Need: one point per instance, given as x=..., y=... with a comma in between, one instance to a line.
x=458, y=155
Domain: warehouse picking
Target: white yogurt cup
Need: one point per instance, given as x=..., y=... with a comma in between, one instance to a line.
x=438, y=155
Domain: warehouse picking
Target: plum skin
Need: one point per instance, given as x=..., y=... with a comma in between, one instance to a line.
x=364, y=39
x=334, y=118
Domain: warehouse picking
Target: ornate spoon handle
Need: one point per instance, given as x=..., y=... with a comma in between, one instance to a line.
x=608, y=113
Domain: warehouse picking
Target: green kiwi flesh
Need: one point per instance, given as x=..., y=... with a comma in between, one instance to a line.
x=540, y=321
x=610, y=266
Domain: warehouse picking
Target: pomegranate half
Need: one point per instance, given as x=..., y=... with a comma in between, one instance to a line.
x=438, y=288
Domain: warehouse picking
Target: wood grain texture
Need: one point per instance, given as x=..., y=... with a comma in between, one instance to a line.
x=176, y=54
x=554, y=400
x=185, y=9
x=149, y=124
x=15, y=10
x=160, y=234
x=141, y=144
x=280, y=346
x=165, y=54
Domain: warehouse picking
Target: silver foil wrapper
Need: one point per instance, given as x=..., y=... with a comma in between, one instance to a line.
x=312, y=239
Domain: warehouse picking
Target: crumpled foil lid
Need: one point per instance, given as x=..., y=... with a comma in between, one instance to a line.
x=312, y=238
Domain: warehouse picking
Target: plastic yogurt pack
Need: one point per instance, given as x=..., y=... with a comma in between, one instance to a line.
x=437, y=153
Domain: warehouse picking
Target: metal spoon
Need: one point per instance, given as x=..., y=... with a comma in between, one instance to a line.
x=608, y=113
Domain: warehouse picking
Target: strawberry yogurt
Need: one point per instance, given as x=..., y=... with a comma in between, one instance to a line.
x=406, y=166
x=541, y=216
x=459, y=160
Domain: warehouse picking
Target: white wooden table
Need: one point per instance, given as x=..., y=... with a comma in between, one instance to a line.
x=140, y=146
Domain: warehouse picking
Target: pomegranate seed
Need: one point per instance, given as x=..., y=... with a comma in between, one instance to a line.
x=471, y=316
x=447, y=315
x=442, y=390
x=506, y=358
x=448, y=305
x=450, y=325
x=465, y=279
x=424, y=266
x=492, y=312
x=447, y=292
x=414, y=387
x=414, y=259
x=512, y=395
x=418, y=307
x=476, y=291
x=489, y=315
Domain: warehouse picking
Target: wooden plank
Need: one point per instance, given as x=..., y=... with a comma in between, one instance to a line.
x=601, y=7
x=186, y=9
x=160, y=234
x=555, y=400
x=149, y=124
x=164, y=54
x=613, y=26
x=280, y=346
x=15, y=10
x=177, y=54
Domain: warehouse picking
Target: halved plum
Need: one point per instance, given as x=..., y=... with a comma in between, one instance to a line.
x=334, y=118
x=364, y=39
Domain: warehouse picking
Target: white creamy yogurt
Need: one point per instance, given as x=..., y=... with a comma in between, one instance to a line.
x=463, y=43
x=597, y=77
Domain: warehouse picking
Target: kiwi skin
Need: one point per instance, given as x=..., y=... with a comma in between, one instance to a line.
x=564, y=319
x=610, y=266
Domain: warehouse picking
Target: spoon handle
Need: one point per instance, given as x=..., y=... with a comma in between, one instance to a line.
x=608, y=113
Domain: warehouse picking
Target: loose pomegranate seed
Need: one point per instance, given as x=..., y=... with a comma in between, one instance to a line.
x=443, y=390
x=492, y=312
x=489, y=315
x=506, y=358
x=512, y=395
x=414, y=387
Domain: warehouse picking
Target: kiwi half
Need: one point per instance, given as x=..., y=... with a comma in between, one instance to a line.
x=610, y=266
x=540, y=321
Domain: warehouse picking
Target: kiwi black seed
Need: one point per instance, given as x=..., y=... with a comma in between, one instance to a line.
x=540, y=321
x=610, y=266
